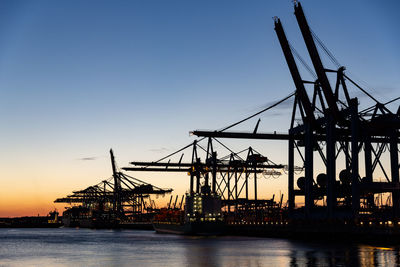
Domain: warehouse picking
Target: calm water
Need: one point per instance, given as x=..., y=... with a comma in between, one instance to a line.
x=84, y=247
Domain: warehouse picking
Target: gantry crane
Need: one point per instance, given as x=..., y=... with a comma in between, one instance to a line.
x=227, y=176
x=121, y=198
x=332, y=118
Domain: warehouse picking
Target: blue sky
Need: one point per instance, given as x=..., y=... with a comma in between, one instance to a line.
x=79, y=77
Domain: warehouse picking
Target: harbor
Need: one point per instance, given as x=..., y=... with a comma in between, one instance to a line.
x=343, y=201
x=309, y=178
x=337, y=203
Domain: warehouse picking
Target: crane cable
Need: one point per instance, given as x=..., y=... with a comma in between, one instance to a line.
x=258, y=113
x=338, y=65
x=302, y=61
x=325, y=48
x=228, y=127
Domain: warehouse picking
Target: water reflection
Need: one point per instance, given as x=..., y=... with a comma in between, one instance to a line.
x=229, y=251
x=203, y=254
x=83, y=247
x=344, y=255
x=379, y=256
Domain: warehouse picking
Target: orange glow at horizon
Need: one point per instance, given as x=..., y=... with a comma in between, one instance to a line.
x=21, y=200
x=31, y=190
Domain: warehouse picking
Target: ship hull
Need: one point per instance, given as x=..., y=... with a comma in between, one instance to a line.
x=194, y=228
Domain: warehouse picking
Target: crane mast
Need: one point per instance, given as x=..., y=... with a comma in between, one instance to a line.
x=309, y=122
x=117, y=207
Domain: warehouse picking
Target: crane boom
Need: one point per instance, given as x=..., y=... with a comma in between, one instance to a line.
x=316, y=60
x=300, y=89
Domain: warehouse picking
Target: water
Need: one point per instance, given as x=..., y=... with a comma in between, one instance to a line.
x=85, y=247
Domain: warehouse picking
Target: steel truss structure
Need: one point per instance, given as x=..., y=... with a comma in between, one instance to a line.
x=332, y=128
x=122, y=197
x=233, y=177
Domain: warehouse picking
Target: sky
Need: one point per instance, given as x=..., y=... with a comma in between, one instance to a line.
x=80, y=77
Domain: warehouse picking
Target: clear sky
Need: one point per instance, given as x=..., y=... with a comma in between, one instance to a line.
x=80, y=77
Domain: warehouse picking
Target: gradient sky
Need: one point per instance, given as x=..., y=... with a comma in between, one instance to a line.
x=80, y=77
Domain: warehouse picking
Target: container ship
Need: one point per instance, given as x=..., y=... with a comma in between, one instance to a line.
x=52, y=220
x=202, y=215
x=87, y=217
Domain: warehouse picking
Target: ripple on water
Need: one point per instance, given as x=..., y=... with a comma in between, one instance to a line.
x=86, y=247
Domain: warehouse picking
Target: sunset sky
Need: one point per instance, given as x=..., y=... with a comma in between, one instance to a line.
x=80, y=77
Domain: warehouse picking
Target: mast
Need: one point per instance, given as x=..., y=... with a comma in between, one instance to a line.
x=117, y=186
